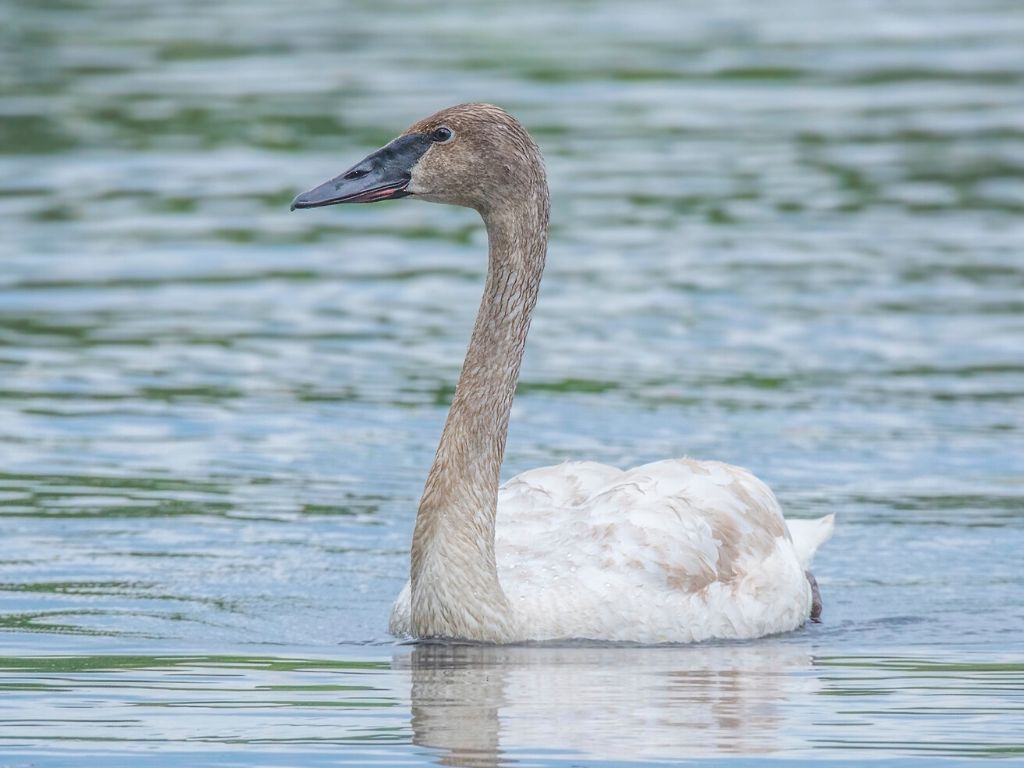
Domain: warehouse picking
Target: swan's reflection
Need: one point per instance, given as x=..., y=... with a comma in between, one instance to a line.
x=482, y=705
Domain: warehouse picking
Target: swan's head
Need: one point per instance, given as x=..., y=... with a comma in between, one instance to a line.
x=473, y=155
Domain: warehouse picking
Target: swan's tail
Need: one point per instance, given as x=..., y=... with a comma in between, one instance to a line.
x=808, y=535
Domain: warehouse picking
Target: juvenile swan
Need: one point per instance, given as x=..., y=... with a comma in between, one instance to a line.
x=674, y=551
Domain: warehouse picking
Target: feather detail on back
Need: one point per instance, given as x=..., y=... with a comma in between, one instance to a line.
x=673, y=551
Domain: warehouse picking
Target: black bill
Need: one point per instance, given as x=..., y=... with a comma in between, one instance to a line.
x=383, y=175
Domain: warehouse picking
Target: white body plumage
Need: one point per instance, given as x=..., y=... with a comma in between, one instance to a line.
x=674, y=551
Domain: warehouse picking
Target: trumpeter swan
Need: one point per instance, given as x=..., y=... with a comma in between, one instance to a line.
x=673, y=551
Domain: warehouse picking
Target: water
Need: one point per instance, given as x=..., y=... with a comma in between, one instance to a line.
x=785, y=235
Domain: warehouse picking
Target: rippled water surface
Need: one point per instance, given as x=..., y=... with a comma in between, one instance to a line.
x=785, y=235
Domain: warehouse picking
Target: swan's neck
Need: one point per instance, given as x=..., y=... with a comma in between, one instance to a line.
x=455, y=587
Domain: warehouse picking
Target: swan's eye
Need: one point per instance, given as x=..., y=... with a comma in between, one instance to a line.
x=442, y=134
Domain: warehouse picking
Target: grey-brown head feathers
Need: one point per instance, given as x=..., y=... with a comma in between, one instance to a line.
x=489, y=161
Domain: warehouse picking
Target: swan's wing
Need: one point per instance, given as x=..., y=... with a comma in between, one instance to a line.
x=561, y=485
x=673, y=542
x=694, y=517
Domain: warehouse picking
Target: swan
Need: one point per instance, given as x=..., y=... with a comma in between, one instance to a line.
x=674, y=551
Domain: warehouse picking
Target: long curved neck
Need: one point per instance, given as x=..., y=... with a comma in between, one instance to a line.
x=455, y=587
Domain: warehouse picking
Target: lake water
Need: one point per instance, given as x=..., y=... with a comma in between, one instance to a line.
x=787, y=235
